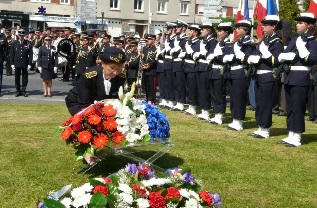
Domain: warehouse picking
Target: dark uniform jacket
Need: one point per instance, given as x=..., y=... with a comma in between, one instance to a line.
x=296, y=77
x=247, y=48
x=133, y=64
x=177, y=66
x=168, y=61
x=21, y=54
x=37, y=41
x=189, y=65
x=3, y=48
x=84, y=59
x=217, y=69
x=275, y=48
x=89, y=88
x=210, y=43
x=47, y=58
x=149, y=52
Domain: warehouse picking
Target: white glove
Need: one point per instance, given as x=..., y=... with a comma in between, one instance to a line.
x=228, y=58
x=176, y=42
x=188, y=48
x=182, y=55
x=196, y=55
x=28, y=68
x=40, y=69
x=210, y=57
x=286, y=57
x=301, y=47
x=55, y=70
x=74, y=67
x=202, y=47
x=236, y=48
x=13, y=67
x=253, y=59
x=240, y=55
x=264, y=49
x=218, y=51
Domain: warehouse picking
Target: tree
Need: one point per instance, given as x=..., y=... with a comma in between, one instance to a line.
x=288, y=10
x=306, y=4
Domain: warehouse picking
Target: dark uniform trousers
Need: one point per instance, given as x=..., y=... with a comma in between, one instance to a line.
x=169, y=79
x=179, y=81
x=161, y=78
x=18, y=72
x=203, y=86
x=312, y=101
x=149, y=85
x=264, y=101
x=238, y=96
x=191, y=82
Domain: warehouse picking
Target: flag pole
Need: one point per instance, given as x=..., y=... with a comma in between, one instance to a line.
x=252, y=30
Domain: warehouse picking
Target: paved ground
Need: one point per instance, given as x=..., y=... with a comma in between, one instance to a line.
x=34, y=90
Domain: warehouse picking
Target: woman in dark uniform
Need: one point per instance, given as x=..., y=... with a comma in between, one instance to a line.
x=98, y=82
x=264, y=61
x=301, y=55
x=47, y=65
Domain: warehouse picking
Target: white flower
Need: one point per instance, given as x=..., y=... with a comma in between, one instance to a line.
x=124, y=129
x=87, y=187
x=82, y=201
x=124, y=112
x=100, y=179
x=127, y=198
x=184, y=193
x=191, y=203
x=141, y=120
x=125, y=188
x=122, y=122
x=67, y=202
x=131, y=137
x=171, y=205
x=77, y=192
x=155, y=182
x=144, y=130
x=194, y=194
x=142, y=203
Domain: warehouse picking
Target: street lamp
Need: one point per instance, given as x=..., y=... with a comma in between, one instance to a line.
x=150, y=16
x=102, y=16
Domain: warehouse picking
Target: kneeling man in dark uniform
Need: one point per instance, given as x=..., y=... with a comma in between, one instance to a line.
x=98, y=82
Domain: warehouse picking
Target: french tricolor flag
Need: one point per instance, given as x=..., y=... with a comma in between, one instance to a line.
x=313, y=7
x=243, y=13
x=263, y=8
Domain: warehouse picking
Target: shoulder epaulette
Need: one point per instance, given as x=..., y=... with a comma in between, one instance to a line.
x=91, y=74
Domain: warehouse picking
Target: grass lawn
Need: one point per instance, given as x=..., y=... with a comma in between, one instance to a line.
x=246, y=172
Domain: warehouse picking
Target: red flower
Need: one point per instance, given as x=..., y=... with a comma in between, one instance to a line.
x=139, y=190
x=77, y=118
x=117, y=137
x=100, y=140
x=84, y=137
x=100, y=189
x=67, y=132
x=107, y=180
x=156, y=200
x=94, y=119
x=110, y=124
x=206, y=197
x=77, y=127
x=172, y=193
x=89, y=111
x=145, y=170
x=99, y=127
x=68, y=121
x=109, y=111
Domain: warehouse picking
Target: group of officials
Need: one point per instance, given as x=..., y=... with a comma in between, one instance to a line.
x=199, y=68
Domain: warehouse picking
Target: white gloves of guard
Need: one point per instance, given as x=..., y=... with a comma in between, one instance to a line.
x=218, y=51
x=237, y=51
x=189, y=49
x=55, y=70
x=13, y=67
x=301, y=47
x=228, y=58
x=196, y=55
x=264, y=49
x=182, y=55
x=210, y=57
x=253, y=59
x=286, y=57
x=40, y=69
x=28, y=68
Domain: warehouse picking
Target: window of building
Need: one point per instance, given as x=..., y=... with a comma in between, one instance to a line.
x=114, y=4
x=42, y=1
x=138, y=5
x=161, y=6
x=184, y=8
x=64, y=1
x=201, y=9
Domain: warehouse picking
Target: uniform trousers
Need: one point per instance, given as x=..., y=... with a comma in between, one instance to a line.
x=1, y=76
x=8, y=67
x=191, y=86
x=238, y=97
x=161, y=81
x=312, y=102
x=149, y=87
x=169, y=80
x=203, y=88
x=66, y=71
x=179, y=83
x=264, y=99
x=296, y=100
x=18, y=73
x=218, y=95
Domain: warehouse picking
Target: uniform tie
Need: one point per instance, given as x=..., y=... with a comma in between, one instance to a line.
x=107, y=84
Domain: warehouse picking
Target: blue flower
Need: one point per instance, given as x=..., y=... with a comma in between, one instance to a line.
x=189, y=178
x=131, y=168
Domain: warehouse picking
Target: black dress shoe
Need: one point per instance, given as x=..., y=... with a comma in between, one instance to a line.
x=310, y=119
x=18, y=94
x=49, y=95
x=44, y=95
x=281, y=113
x=275, y=112
x=257, y=136
x=24, y=94
x=281, y=142
x=1, y=94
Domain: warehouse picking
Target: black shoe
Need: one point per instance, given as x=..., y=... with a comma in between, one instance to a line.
x=18, y=94
x=24, y=94
x=1, y=94
x=44, y=95
x=275, y=112
x=281, y=142
x=49, y=95
x=310, y=119
x=257, y=136
x=290, y=145
x=72, y=84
